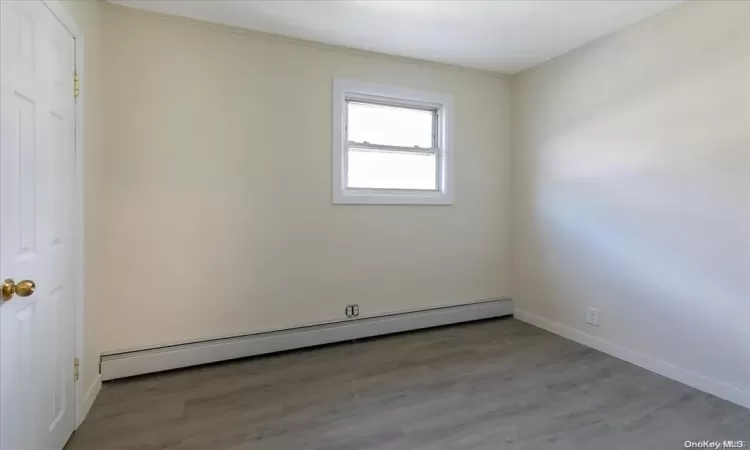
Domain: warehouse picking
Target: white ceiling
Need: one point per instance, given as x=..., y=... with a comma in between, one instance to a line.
x=500, y=35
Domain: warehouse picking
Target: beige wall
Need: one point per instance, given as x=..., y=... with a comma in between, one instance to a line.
x=208, y=173
x=632, y=190
x=218, y=188
x=87, y=16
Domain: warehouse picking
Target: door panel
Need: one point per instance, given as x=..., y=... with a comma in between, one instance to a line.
x=37, y=191
x=24, y=152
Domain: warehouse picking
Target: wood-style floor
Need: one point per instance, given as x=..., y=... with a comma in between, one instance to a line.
x=498, y=384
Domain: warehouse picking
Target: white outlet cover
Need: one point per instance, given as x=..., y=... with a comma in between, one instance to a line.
x=592, y=317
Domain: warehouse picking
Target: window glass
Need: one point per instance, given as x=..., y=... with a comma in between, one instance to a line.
x=378, y=169
x=389, y=125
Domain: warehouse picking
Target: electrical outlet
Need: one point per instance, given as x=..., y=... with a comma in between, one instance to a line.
x=592, y=317
x=351, y=310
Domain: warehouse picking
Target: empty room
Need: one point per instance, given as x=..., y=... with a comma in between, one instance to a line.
x=374, y=224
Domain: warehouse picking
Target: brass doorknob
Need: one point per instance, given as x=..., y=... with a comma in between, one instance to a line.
x=23, y=288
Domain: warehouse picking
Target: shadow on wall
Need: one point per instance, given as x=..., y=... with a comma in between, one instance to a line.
x=638, y=199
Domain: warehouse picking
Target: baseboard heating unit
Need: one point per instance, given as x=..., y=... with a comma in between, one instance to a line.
x=138, y=362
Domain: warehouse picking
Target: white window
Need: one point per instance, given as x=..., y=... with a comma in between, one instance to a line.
x=391, y=145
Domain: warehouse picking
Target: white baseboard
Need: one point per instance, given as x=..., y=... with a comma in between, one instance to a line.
x=126, y=364
x=88, y=399
x=714, y=387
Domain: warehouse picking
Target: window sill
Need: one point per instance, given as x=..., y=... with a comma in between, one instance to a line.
x=372, y=197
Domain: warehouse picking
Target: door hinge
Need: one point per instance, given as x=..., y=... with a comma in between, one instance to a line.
x=76, y=85
x=75, y=369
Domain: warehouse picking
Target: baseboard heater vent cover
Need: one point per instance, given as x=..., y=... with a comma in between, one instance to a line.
x=138, y=362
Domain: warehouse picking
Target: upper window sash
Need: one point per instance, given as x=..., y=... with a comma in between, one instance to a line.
x=427, y=125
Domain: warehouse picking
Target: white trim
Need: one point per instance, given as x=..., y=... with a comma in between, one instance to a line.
x=664, y=368
x=91, y=393
x=184, y=355
x=394, y=95
x=393, y=148
x=80, y=397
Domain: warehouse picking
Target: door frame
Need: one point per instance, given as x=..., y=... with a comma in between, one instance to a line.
x=83, y=397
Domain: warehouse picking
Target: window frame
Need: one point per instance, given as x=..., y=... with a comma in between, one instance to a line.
x=346, y=90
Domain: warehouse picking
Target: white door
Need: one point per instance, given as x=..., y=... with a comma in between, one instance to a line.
x=37, y=191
